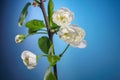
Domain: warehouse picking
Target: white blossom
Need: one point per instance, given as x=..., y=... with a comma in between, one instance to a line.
x=73, y=35
x=63, y=17
x=19, y=38
x=29, y=59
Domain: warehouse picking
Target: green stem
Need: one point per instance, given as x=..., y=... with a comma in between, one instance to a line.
x=36, y=33
x=64, y=50
x=41, y=33
x=41, y=55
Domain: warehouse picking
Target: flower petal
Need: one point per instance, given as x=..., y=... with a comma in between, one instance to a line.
x=82, y=44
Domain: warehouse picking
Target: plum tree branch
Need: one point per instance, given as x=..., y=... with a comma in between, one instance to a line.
x=50, y=34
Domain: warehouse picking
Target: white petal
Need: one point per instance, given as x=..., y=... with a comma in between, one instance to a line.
x=25, y=54
x=30, y=67
x=82, y=44
x=17, y=38
x=32, y=61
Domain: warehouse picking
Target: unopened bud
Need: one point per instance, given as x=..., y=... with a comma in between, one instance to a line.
x=20, y=38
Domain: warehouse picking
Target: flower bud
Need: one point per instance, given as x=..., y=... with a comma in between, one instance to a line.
x=19, y=38
x=62, y=17
x=35, y=4
x=29, y=59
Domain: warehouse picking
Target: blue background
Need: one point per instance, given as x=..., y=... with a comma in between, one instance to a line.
x=99, y=61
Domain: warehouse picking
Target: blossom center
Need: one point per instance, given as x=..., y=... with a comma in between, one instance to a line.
x=61, y=18
x=27, y=61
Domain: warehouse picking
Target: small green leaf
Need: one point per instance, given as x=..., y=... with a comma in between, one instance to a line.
x=55, y=25
x=30, y=31
x=35, y=25
x=37, y=0
x=50, y=11
x=23, y=14
x=53, y=59
x=49, y=75
x=44, y=44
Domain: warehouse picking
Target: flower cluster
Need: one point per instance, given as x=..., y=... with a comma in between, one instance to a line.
x=71, y=34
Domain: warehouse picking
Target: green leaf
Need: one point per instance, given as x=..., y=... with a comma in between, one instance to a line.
x=23, y=14
x=35, y=25
x=50, y=11
x=54, y=26
x=44, y=44
x=37, y=0
x=53, y=59
x=49, y=75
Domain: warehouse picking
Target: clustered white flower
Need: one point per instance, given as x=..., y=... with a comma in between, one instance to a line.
x=29, y=59
x=71, y=34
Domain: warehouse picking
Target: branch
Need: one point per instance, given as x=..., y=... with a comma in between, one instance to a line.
x=50, y=34
x=46, y=20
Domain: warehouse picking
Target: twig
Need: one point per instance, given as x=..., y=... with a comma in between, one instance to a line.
x=50, y=34
x=64, y=50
